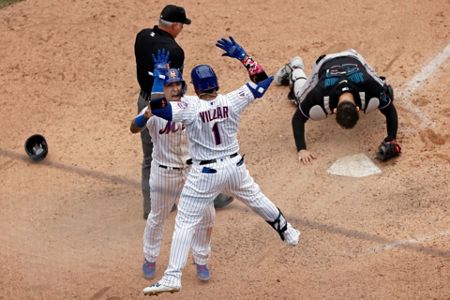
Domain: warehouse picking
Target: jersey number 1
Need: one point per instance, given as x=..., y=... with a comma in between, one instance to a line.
x=216, y=133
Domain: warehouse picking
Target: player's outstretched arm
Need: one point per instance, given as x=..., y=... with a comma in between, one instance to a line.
x=389, y=147
x=160, y=61
x=391, y=121
x=234, y=50
x=158, y=105
x=298, y=127
x=161, y=65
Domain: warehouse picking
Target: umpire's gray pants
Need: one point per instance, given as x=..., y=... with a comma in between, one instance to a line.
x=147, y=149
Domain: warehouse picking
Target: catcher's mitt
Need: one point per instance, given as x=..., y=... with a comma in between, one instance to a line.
x=388, y=150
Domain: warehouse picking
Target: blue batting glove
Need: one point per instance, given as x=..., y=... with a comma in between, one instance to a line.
x=160, y=61
x=231, y=48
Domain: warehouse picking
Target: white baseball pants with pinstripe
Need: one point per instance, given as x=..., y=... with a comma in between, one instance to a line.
x=203, y=184
x=165, y=188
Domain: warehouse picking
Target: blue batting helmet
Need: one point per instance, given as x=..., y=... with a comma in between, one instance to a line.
x=204, y=79
x=174, y=75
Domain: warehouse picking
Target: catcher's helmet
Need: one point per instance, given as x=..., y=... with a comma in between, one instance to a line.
x=174, y=75
x=36, y=147
x=204, y=79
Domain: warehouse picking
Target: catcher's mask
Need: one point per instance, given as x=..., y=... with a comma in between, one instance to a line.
x=204, y=79
x=36, y=147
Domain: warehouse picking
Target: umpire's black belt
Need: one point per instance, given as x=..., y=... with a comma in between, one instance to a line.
x=209, y=161
x=171, y=168
x=146, y=96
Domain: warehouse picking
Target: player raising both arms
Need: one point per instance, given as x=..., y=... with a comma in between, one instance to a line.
x=212, y=122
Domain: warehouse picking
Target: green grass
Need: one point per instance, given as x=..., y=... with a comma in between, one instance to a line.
x=4, y=3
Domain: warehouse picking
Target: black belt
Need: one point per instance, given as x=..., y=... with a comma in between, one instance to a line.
x=145, y=95
x=209, y=161
x=170, y=168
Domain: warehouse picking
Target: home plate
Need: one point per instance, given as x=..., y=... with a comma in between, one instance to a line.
x=357, y=165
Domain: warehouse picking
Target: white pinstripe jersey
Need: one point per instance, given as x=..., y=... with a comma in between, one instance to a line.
x=212, y=126
x=169, y=142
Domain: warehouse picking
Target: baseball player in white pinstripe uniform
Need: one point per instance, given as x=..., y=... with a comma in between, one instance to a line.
x=212, y=122
x=167, y=177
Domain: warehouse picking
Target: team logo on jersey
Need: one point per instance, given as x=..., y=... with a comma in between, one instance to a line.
x=171, y=127
x=242, y=94
x=182, y=105
x=172, y=74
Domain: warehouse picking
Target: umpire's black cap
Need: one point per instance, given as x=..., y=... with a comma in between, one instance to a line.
x=173, y=13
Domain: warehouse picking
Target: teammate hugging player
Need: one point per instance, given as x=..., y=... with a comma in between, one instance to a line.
x=212, y=122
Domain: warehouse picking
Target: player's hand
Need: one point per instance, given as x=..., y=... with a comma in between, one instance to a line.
x=231, y=48
x=148, y=112
x=306, y=157
x=161, y=63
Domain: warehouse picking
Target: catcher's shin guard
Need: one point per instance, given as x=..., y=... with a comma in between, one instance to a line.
x=298, y=79
x=279, y=224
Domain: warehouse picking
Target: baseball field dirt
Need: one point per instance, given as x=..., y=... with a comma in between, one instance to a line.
x=71, y=226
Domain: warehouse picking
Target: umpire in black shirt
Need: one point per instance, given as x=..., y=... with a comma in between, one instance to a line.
x=148, y=41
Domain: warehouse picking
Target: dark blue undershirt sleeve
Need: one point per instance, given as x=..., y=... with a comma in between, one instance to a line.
x=298, y=126
x=391, y=121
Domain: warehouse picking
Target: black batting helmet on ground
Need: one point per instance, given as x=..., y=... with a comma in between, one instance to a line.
x=36, y=147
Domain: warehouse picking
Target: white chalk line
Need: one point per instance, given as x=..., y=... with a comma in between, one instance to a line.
x=413, y=241
x=426, y=122
x=417, y=81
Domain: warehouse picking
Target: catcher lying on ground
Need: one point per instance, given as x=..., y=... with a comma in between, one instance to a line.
x=343, y=84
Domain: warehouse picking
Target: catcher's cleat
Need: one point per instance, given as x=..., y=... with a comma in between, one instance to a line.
x=282, y=77
x=203, y=272
x=149, y=269
x=157, y=289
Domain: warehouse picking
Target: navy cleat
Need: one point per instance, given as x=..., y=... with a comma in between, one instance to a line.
x=149, y=269
x=203, y=272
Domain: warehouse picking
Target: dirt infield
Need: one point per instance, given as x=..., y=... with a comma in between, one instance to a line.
x=71, y=226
